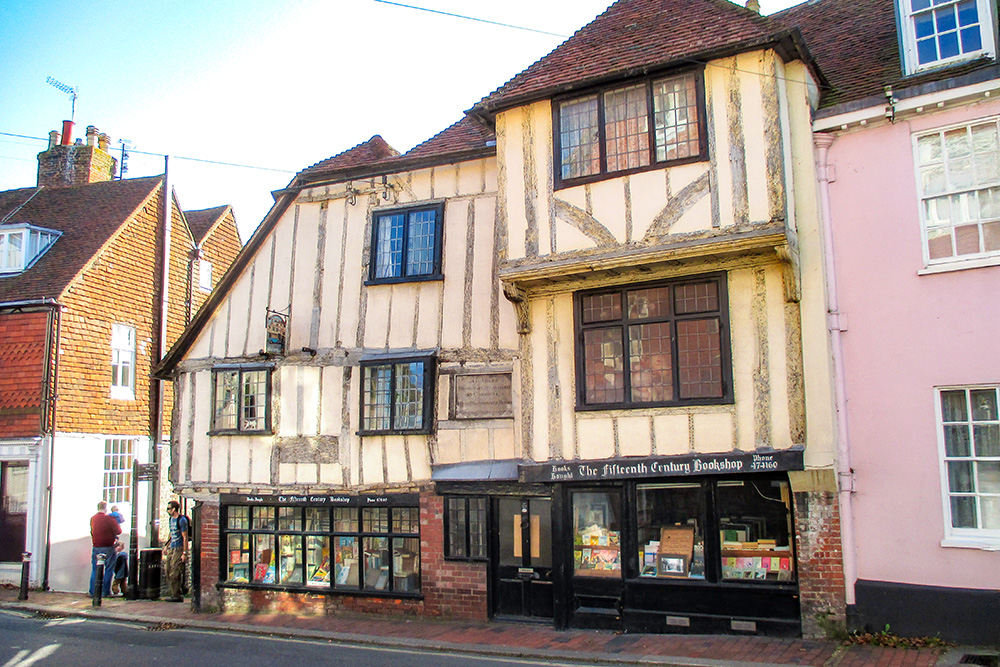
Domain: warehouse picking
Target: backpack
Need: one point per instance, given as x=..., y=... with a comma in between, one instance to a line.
x=190, y=527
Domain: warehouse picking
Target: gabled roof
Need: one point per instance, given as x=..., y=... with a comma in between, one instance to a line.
x=856, y=45
x=87, y=215
x=371, y=151
x=202, y=222
x=634, y=36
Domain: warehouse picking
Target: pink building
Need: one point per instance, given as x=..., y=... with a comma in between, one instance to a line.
x=908, y=155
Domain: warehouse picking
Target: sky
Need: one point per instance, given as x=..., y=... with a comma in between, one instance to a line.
x=241, y=94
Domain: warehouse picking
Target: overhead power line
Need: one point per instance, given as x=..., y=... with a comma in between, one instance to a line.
x=472, y=18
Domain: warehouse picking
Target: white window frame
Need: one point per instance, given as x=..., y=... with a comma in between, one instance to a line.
x=978, y=538
x=119, y=453
x=987, y=24
x=34, y=242
x=122, y=357
x=955, y=261
x=204, y=275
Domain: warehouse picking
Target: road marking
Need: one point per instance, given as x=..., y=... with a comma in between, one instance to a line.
x=65, y=621
x=26, y=658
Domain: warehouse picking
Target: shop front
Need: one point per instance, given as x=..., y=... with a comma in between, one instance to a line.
x=696, y=544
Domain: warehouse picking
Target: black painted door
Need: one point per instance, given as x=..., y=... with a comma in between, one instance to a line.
x=523, y=574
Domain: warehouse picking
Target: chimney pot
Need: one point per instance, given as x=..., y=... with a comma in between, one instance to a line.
x=67, y=133
x=103, y=141
x=91, y=135
x=753, y=5
x=53, y=139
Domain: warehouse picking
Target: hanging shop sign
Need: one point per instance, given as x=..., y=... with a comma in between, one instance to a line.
x=687, y=465
x=320, y=500
x=276, y=327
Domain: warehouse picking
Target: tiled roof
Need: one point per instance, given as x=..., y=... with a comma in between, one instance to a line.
x=466, y=134
x=201, y=222
x=856, y=47
x=632, y=36
x=373, y=150
x=87, y=216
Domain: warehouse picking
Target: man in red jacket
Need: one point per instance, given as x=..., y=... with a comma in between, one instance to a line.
x=103, y=532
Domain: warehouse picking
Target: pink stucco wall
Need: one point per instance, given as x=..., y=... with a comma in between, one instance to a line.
x=906, y=334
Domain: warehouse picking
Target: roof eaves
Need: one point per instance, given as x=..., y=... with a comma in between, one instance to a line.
x=389, y=166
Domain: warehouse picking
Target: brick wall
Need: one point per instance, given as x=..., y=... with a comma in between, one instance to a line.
x=451, y=588
x=74, y=165
x=219, y=247
x=208, y=536
x=22, y=371
x=821, y=563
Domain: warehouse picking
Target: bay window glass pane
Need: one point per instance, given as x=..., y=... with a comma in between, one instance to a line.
x=377, y=396
x=626, y=128
x=699, y=358
x=670, y=524
x=602, y=307
x=238, y=517
x=290, y=518
x=597, y=534
x=389, y=245
x=263, y=559
x=755, y=529
x=238, y=557
x=375, y=520
x=347, y=569
x=406, y=564
x=376, y=564
x=675, y=118
x=226, y=393
x=345, y=519
x=254, y=409
x=290, y=561
x=409, y=396
x=963, y=512
x=651, y=363
x=263, y=518
x=405, y=520
x=578, y=138
x=420, y=243
x=603, y=359
x=317, y=560
x=317, y=519
x=648, y=303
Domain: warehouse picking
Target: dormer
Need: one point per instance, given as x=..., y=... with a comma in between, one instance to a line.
x=21, y=245
x=936, y=33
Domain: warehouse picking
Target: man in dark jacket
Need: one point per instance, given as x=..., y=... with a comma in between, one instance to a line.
x=104, y=530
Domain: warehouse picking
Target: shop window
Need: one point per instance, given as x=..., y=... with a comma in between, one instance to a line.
x=347, y=548
x=242, y=400
x=465, y=528
x=755, y=529
x=630, y=128
x=406, y=244
x=396, y=396
x=671, y=524
x=970, y=438
x=13, y=509
x=656, y=344
x=597, y=534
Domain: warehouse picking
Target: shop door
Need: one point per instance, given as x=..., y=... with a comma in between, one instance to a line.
x=523, y=575
x=13, y=510
x=597, y=582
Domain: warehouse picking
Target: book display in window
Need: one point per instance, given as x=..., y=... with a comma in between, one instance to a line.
x=596, y=546
x=346, y=565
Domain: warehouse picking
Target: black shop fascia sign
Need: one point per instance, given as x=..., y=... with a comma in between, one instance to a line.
x=735, y=462
x=323, y=500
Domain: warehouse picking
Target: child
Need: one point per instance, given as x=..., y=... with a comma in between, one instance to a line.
x=118, y=586
x=116, y=515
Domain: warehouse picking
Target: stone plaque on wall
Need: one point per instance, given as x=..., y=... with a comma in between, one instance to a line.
x=481, y=396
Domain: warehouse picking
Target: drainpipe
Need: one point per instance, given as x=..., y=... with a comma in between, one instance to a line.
x=50, y=384
x=154, y=452
x=845, y=474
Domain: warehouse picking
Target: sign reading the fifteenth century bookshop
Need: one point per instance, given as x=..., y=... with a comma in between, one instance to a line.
x=727, y=463
x=481, y=396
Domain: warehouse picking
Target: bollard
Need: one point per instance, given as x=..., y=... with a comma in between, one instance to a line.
x=98, y=581
x=25, y=569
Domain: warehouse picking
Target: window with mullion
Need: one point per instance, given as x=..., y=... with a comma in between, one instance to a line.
x=406, y=244
x=676, y=348
x=970, y=432
x=241, y=400
x=465, y=528
x=629, y=128
x=939, y=32
x=396, y=396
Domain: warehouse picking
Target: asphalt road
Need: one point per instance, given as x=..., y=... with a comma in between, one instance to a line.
x=27, y=640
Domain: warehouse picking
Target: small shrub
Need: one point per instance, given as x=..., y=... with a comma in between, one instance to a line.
x=888, y=639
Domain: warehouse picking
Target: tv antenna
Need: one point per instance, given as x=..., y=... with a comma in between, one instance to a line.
x=69, y=90
x=123, y=167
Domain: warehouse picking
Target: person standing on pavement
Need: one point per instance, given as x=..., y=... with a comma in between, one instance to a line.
x=176, y=551
x=104, y=530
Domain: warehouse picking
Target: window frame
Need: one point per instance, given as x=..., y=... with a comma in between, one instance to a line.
x=464, y=503
x=30, y=236
x=971, y=537
x=429, y=382
x=204, y=275
x=360, y=531
x=406, y=211
x=119, y=456
x=599, y=92
x=725, y=351
x=241, y=370
x=908, y=41
x=120, y=346
x=955, y=260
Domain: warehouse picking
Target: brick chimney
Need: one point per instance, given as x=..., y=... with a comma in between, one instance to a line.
x=76, y=164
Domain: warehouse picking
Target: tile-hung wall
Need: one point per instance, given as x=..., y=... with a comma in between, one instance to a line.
x=757, y=112
x=313, y=267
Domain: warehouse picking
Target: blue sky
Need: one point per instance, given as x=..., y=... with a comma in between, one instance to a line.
x=279, y=85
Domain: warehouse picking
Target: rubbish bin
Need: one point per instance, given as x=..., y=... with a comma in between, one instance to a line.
x=150, y=564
